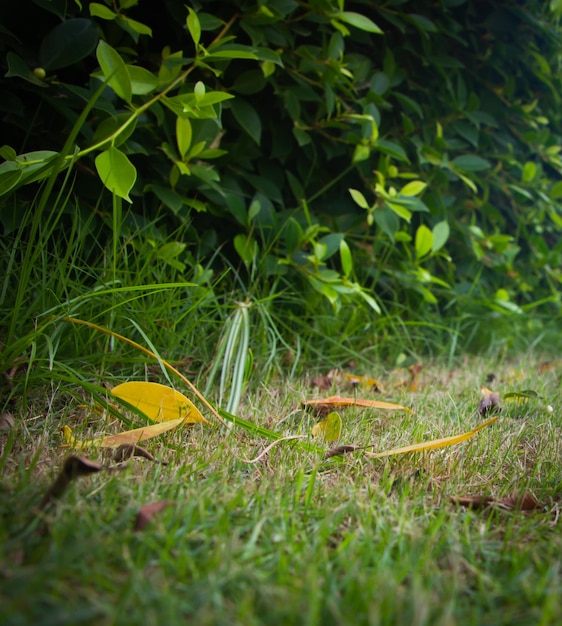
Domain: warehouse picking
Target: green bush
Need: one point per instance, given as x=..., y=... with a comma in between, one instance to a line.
x=403, y=157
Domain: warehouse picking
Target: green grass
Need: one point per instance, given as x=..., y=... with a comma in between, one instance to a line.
x=293, y=539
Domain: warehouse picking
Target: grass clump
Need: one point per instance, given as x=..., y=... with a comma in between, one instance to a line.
x=293, y=538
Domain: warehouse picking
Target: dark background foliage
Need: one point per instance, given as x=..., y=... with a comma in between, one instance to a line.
x=462, y=97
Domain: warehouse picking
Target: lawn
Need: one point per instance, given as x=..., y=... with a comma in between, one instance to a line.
x=294, y=538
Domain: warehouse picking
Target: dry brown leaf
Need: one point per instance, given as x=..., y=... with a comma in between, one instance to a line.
x=414, y=371
x=511, y=502
x=341, y=450
x=73, y=467
x=520, y=502
x=7, y=421
x=147, y=512
x=472, y=502
x=127, y=451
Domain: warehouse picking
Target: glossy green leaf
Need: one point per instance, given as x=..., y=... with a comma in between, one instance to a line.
x=114, y=70
x=17, y=67
x=184, y=134
x=441, y=233
x=423, y=241
x=246, y=116
x=471, y=163
x=346, y=258
x=117, y=173
x=413, y=188
x=142, y=81
x=359, y=21
x=193, y=26
x=68, y=43
x=100, y=10
x=359, y=198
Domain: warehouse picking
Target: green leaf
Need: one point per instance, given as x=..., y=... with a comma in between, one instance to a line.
x=133, y=27
x=424, y=241
x=114, y=71
x=359, y=21
x=117, y=173
x=413, y=188
x=183, y=135
x=68, y=43
x=142, y=81
x=100, y=10
x=529, y=172
x=556, y=191
x=9, y=179
x=346, y=258
x=359, y=198
x=440, y=232
x=247, y=247
x=17, y=67
x=246, y=116
x=471, y=163
x=392, y=149
x=193, y=26
x=8, y=153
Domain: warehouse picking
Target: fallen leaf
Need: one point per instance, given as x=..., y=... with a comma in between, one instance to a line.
x=158, y=402
x=490, y=402
x=520, y=502
x=147, y=512
x=7, y=421
x=127, y=451
x=364, y=381
x=339, y=401
x=511, y=502
x=548, y=365
x=472, y=502
x=431, y=445
x=521, y=396
x=127, y=437
x=341, y=450
x=73, y=467
x=329, y=428
x=414, y=371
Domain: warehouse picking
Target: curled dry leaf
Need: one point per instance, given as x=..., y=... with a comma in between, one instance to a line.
x=147, y=512
x=490, y=402
x=73, y=467
x=341, y=450
x=512, y=502
x=7, y=421
x=127, y=451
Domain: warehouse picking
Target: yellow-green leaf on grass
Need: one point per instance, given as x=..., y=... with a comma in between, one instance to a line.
x=117, y=173
x=127, y=437
x=158, y=402
x=432, y=445
x=329, y=428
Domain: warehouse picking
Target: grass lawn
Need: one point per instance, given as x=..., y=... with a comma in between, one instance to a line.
x=293, y=538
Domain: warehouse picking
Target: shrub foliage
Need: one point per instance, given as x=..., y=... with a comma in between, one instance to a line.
x=400, y=155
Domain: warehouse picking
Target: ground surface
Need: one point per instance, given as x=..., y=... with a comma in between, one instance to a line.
x=293, y=538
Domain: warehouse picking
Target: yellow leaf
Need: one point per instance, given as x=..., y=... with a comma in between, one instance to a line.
x=129, y=436
x=339, y=401
x=431, y=445
x=158, y=402
x=329, y=428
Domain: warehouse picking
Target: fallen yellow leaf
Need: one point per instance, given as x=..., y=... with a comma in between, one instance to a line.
x=339, y=401
x=129, y=436
x=158, y=402
x=329, y=428
x=431, y=445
